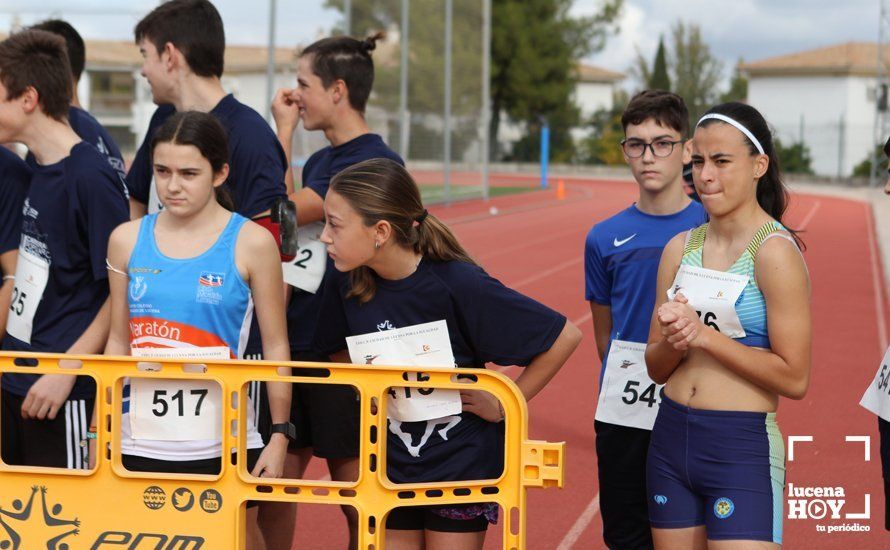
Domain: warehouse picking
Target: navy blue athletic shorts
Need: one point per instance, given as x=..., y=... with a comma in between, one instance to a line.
x=721, y=469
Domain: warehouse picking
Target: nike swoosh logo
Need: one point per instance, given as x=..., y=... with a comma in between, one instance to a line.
x=616, y=242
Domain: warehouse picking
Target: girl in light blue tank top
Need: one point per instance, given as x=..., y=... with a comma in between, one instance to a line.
x=731, y=334
x=185, y=278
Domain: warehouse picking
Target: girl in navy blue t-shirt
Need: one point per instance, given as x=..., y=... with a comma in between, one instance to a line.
x=398, y=266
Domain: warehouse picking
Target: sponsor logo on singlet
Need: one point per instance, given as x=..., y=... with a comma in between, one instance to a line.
x=210, y=279
x=208, y=283
x=138, y=288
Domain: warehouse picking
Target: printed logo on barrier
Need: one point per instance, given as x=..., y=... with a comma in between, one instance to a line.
x=54, y=528
x=154, y=497
x=211, y=501
x=723, y=508
x=183, y=499
x=208, y=278
x=661, y=500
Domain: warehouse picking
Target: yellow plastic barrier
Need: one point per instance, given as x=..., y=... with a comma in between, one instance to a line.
x=113, y=508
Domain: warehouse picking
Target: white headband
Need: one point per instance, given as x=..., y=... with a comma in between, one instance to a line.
x=738, y=125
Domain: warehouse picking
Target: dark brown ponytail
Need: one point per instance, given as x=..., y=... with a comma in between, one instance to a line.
x=347, y=59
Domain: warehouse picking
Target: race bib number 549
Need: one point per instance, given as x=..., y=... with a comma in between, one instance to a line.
x=628, y=396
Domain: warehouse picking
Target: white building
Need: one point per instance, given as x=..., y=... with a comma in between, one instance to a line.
x=115, y=92
x=824, y=97
x=595, y=89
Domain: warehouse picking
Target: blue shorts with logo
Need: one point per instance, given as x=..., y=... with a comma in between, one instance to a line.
x=721, y=469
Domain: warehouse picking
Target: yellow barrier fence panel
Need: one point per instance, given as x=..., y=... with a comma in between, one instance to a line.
x=110, y=507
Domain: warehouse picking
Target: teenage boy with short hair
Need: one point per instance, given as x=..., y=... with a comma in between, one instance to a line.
x=334, y=80
x=183, y=43
x=60, y=295
x=82, y=122
x=621, y=258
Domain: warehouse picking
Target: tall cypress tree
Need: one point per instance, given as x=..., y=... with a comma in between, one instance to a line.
x=659, y=79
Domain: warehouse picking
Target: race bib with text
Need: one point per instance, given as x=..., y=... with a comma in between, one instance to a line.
x=426, y=345
x=628, y=397
x=713, y=295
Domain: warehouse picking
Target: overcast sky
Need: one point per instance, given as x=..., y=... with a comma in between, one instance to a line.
x=750, y=29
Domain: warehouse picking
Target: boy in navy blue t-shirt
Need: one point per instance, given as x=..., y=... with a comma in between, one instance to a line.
x=60, y=298
x=621, y=258
x=14, y=179
x=182, y=43
x=82, y=122
x=334, y=80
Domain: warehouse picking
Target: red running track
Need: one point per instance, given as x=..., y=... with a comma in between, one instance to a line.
x=535, y=245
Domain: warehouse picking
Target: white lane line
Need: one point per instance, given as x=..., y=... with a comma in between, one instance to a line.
x=547, y=272
x=580, y=524
x=876, y=277
x=809, y=217
x=526, y=244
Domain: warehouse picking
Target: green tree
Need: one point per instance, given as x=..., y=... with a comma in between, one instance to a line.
x=863, y=169
x=659, y=79
x=639, y=70
x=426, y=68
x=562, y=146
x=535, y=45
x=602, y=146
x=695, y=71
x=795, y=158
x=738, y=86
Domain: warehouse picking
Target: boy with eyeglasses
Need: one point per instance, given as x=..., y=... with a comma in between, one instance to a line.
x=621, y=258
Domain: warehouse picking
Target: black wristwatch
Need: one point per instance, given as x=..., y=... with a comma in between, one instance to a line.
x=286, y=428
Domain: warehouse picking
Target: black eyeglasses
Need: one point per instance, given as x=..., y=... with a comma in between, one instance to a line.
x=661, y=148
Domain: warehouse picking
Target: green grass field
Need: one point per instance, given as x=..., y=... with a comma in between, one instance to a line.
x=432, y=194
